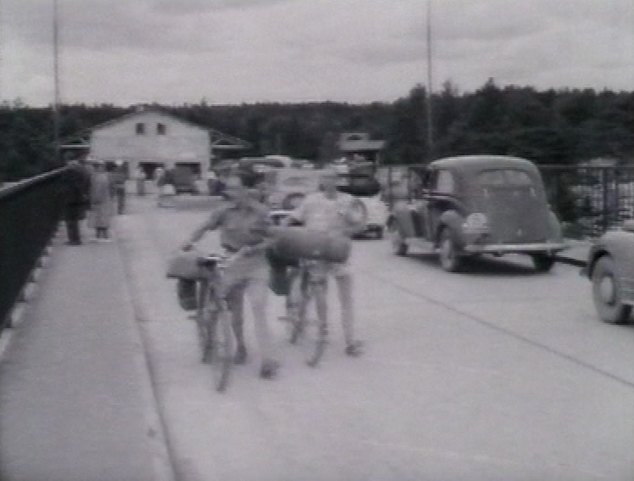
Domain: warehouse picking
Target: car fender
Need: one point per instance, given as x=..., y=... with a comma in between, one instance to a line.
x=617, y=244
x=453, y=220
x=554, y=228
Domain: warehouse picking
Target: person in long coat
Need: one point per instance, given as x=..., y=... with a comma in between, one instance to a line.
x=101, y=201
x=77, y=199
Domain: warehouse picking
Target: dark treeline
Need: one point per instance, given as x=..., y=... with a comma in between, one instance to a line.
x=552, y=126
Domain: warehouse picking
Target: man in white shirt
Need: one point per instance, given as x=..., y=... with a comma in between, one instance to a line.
x=332, y=211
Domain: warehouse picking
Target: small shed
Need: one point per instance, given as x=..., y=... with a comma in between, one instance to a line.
x=356, y=145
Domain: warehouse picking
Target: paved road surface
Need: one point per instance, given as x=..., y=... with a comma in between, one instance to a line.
x=496, y=374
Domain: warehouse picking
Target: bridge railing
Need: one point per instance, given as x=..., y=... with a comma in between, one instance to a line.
x=29, y=214
x=587, y=199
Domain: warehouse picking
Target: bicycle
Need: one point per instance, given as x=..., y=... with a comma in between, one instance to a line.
x=213, y=322
x=297, y=303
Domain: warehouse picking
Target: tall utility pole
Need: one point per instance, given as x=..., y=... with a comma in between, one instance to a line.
x=430, y=129
x=56, y=121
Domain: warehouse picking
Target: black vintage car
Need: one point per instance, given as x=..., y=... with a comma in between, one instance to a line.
x=470, y=205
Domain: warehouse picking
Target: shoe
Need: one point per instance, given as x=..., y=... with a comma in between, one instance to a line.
x=73, y=243
x=240, y=356
x=269, y=369
x=354, y=349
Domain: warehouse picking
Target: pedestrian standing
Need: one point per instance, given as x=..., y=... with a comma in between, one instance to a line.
x=101, y=201
x=77, y=199
x=159, y=182
x=139, y=176
x=118, y=180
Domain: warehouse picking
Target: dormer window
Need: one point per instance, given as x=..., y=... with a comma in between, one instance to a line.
x=140, y=128
x=161, y=129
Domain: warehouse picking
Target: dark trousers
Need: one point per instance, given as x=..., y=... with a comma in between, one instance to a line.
x=72, y=229
x=120, y=191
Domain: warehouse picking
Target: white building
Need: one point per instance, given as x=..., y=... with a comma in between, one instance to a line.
x=150, y=138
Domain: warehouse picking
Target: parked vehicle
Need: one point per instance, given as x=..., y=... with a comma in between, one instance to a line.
x=471, y=205
x=183, y=180
x=360, y=181
x=611, y=269
x=286, y=188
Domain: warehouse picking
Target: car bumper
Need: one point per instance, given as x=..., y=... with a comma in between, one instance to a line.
x=550, y=247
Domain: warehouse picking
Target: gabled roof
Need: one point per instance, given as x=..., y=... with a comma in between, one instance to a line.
x=219, y=140
x=141, y=110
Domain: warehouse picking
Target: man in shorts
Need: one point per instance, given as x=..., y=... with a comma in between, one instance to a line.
x=331, y=211
x=243, y=224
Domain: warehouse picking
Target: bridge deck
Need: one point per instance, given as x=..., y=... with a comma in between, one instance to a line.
x=74, y=390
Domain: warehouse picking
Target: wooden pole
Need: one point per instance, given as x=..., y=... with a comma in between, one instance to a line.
x=430, y=128
x=56, y=120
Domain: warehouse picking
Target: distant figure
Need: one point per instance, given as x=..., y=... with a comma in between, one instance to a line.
x=77, y=199
x=139, y=176
x=212, y=179
x=118, y=180
x=160, y=180
x=101, y=191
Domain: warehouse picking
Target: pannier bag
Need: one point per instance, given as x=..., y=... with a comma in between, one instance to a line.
x=187, y=291
x=292, y=243
x=279, y=273
x=184, y=265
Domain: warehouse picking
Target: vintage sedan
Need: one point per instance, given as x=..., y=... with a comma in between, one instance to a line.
x=286, y=188
x=470, y=205
x=611, y=269
x=359, y=180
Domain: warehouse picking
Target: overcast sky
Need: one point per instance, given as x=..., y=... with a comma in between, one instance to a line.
x=231, y=51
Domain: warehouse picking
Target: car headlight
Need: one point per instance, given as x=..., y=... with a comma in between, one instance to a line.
x=476, y=223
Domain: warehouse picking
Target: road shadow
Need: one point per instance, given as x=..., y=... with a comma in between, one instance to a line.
x=486, y=265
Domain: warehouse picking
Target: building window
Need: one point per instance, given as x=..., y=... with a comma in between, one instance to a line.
x=140, y=128
x=161, y=129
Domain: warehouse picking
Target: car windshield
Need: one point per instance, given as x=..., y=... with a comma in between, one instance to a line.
x=499, y=177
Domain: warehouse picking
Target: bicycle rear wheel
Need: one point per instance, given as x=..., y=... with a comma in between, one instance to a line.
x=204, y=316
x=215, y=337
x=221, y=352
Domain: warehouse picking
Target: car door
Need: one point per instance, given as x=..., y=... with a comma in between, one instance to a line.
x=441, y=196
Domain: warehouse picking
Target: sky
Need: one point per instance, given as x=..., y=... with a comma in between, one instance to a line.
x=125, y=52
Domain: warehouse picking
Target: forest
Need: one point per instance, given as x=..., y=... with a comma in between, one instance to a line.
x=564, y=126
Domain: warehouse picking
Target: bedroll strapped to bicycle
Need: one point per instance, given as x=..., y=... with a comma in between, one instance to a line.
x=293, y=243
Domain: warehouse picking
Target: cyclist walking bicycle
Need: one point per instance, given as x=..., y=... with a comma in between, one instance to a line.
x=329, y=211
x=243, y=224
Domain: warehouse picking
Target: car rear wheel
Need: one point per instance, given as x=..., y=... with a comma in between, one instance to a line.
x=450, y=260
x=399, y=247
x=543, y=262
x=606, y=293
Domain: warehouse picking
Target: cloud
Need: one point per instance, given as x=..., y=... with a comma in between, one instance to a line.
x=355, y=50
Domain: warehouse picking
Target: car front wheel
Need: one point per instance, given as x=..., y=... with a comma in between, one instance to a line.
x=450, y=260
x=606, y=293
